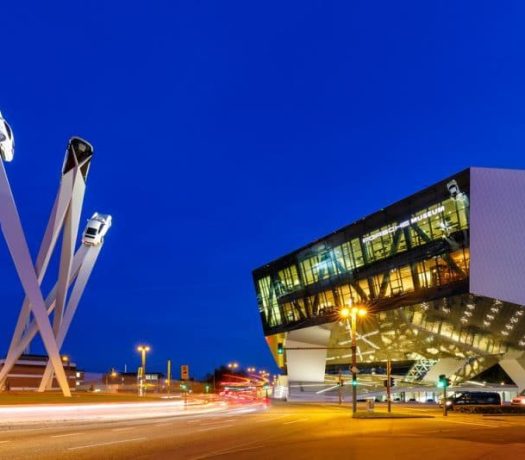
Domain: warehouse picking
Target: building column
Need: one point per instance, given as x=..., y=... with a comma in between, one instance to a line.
x=306, y=354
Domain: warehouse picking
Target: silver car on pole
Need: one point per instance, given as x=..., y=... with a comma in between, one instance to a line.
x=7, y=140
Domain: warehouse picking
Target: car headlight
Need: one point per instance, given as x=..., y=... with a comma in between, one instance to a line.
x=522, y=401
x=449, y=403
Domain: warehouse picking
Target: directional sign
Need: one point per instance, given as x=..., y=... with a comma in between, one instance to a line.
x=185, y=372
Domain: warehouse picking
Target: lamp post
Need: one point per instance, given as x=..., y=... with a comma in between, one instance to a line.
x=110, y=376
x=353, y=313
x=143, y=349
x=67, y=361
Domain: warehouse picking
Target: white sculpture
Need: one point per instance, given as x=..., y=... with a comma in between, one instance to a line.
x=74, y=268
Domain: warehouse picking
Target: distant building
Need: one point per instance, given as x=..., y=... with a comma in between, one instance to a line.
x=442, y=272
x=29, y=370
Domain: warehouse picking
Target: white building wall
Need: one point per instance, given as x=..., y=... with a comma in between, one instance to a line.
x=305, y=363
x=497, y=232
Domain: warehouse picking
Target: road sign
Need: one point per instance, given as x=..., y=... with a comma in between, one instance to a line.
x=185, y=372
x=355, y=370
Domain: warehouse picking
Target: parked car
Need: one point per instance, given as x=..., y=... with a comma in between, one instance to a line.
x=519, y=400
x=7, y=140
x=473, y=398
x=96, y=229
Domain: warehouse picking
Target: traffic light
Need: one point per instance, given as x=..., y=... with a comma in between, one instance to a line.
x=443, y=381
x=354, y=383
x=392, y=383
x=280, y=348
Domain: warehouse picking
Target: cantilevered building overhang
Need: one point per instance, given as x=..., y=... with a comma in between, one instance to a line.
x=442, y=272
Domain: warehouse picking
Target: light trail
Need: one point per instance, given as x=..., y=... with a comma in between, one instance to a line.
x=10, y=415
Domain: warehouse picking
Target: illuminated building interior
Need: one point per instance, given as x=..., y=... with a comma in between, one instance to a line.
x=410, y=265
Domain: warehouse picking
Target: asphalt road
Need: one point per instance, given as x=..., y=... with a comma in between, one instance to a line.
x=283, y=431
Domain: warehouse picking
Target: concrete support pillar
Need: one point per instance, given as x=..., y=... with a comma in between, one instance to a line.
x=306, y=354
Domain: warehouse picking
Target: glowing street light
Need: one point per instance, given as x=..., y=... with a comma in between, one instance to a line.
x=233, y=365
x=143, y=349
x=110, y=376
x=353, y=313
x=66, y=360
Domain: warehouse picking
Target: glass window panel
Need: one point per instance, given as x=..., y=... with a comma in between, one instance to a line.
x=451, y=216
x=407, y=282
x=357, y=253
x=307, y=268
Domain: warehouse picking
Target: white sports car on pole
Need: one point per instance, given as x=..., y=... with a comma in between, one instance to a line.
x=7, y=140
x=96, y=229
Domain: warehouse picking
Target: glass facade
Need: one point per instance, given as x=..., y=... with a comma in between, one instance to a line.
x=413, y=250
x=463, y=326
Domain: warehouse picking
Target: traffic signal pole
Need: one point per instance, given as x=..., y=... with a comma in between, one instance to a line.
x=340, y=388
x=388, y=382
x=444, y=383
x=445, y=409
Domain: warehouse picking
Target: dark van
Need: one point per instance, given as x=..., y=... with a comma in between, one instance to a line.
x=474, y=398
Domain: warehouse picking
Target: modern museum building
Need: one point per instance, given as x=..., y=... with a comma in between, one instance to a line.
x=441, y=274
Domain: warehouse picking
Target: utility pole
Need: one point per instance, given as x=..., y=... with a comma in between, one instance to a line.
x=388, y=382
x=168, y=381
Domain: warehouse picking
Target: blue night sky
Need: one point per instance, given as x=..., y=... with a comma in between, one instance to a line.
x=228, y=133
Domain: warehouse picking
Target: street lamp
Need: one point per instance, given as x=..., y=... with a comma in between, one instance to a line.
x=233, y=365
x=143, y=349
x=66, y=360
x=111, y=376
x=352, y=313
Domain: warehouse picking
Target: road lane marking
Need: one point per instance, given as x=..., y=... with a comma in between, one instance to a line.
x=295, y=421
x=106, y=443
x=215, y=422
x=214, y=427
x=3, y=442
x=472, y=423
x=64, y=435
x=123, y=429
x=233, y=450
